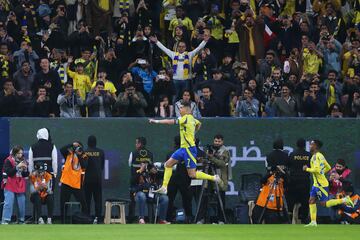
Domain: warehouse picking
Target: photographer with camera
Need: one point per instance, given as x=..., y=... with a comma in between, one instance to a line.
x=144, y=182
x=41, y=191
x=140, y=155
x=131, y=103
x=72, y=176
x=14, y=172
x=219, y=157
x=69, y=102
x=41, y=105
x=99, y=101
x=270, y=206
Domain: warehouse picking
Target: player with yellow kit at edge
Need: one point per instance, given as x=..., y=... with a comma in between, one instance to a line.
x=187, y=151
x=319, y=191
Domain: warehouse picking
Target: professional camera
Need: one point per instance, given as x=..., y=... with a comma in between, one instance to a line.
x=278, y=171
x=211, y=149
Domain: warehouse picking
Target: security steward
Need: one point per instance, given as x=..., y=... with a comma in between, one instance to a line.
x=299, y=181
x=72, y=176
x=93, y=178
x=136, y=158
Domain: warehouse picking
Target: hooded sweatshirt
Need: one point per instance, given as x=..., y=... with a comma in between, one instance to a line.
x=43, y=151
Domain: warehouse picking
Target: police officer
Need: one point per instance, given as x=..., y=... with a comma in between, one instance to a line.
x=299, y=184
x=140, y=155
x=93, y=177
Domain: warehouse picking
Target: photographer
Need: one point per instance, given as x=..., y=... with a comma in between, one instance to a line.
x=72, y=175
x=131, y=103
x=69, y=102
x=270, y=203
x=41, y=191
x=14, y=172
x=219, y=156
x=278, y=157
x=99, y=101
x=140, y=155
x=144, y=182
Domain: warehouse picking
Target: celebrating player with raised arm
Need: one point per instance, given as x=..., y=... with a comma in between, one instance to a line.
x=187, y=151
x=319, y=191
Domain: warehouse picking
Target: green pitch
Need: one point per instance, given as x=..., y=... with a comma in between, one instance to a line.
x=181, y=232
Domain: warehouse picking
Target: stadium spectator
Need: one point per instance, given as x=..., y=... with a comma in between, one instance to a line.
x=249, y=106
x=23, y=80
x=314, y=102
x=181, y=62
x=286, y=105
x=131, y=103
x=207, y=105
x=99, y=101
x=335, y=111
x=50, y=80
x=221, y=91
x=14, y=184
x=164, y=109
x=186, y=97
x=10, y=101
x=69, y=102
x=41, y=105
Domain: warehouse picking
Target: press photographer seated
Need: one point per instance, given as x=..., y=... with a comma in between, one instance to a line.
x=144, y=182
x=270, y=202
x=41, y=191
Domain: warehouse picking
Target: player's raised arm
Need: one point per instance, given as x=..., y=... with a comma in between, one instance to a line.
x=163, y=121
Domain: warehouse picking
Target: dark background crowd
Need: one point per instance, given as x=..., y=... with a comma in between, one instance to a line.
x=96, y=58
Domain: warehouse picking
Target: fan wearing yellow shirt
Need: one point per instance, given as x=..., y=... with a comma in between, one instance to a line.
x=81, y=81
x=180, y=20
x=319, y=191
x=108, y=85
x=187, y=151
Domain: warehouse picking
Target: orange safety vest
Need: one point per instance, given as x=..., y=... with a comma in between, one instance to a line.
x=275, y=194
x=355, y=198
x=72, y=172
x=37, y=180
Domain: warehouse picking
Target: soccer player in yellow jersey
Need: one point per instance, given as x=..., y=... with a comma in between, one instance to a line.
x=319, y=191
x=187, y=151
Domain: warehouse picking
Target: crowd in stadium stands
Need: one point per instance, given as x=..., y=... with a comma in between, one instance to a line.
x=136, y=58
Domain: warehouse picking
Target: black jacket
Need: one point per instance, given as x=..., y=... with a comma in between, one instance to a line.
x=277, y=158
x=96, y=162
x=297, y=160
